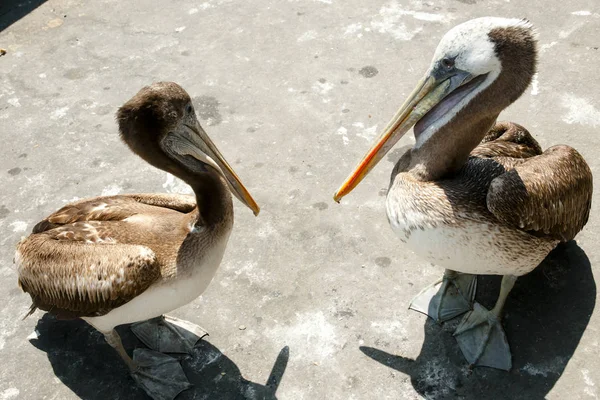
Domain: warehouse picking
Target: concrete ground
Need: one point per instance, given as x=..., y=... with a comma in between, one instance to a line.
x=311, y=299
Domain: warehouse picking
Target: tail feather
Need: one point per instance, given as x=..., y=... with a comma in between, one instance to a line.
x=31, y=311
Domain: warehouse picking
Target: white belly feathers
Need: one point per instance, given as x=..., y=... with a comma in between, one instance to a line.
x=164, y=297
x=469, y=246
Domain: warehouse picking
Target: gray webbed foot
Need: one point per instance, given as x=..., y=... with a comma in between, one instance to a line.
x=447, y=298
x=482, y=340
x=161, y=376
x=168, y=334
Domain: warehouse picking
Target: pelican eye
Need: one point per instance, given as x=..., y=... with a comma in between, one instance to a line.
x=189, y=109
x=448, y=63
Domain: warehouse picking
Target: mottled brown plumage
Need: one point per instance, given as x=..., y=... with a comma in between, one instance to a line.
x=114, y=260
x=507, y=139
x=475, y=196
x=500, y=174
x=114, y=208
x=548, y=195
x=95, y=255
x=506, y=180
x=94, y=260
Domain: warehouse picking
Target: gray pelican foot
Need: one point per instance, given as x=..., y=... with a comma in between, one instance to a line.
x=167, y=334
x=447, y=298
x=482, y=340
x=160, y=375
x=480, y=335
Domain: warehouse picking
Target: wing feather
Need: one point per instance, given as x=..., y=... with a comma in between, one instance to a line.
x=75, y=278
x=548, y=195
x=115, y=208
x=72, y=267
x=507, y=139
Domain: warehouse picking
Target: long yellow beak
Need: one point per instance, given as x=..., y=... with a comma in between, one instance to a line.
x=426, y=95
x=234, y=182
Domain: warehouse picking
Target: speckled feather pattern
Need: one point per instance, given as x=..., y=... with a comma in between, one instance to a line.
x=509, y=205
x=549, y=195
x=72, y=278
x=95, y=255
x=114, y=208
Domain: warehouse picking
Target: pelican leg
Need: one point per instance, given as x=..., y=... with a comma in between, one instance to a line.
x=447, y=298
x=167, y=334
x=159, y=375
x=480, y=334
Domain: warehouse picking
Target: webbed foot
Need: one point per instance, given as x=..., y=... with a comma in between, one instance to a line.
x=482, y=340
x=447, y=298
x=168, y=334
x=161, y=376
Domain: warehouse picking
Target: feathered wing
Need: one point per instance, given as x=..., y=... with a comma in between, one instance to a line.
x=75, y=278
x=547, y=195
x=507, y=139
x=114, y=208
x=72, y=266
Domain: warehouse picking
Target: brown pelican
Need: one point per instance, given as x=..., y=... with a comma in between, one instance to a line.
x=121, y=259
x=494, y=208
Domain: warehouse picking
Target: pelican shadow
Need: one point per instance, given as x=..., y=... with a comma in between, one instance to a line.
x=545, y=317
x=13, y=10
x=85, y=363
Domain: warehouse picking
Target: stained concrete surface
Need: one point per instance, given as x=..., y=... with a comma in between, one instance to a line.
x=311, y=299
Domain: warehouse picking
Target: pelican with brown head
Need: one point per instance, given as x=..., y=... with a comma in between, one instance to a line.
x=131, y=258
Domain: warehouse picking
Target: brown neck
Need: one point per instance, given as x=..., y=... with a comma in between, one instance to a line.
x=447, y=150
x=215, y=205
x=144, y=123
